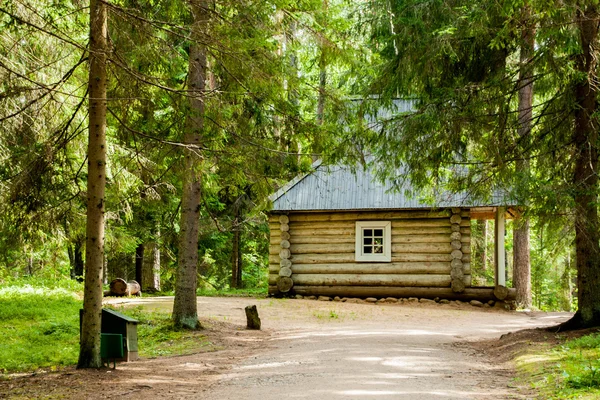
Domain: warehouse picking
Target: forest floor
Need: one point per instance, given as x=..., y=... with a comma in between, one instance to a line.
x=311, y=349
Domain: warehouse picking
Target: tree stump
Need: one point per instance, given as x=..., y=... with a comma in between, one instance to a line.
x=252, y=318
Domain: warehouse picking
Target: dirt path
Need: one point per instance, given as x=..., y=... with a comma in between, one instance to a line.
x=316, y=350
x=329, y=350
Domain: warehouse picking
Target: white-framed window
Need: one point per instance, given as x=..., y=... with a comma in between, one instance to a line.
x=373, y=241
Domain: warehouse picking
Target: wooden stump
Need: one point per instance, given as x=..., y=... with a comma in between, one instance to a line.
x=283, y=219
x=285, y=271
x=285, y=263
x=284, y=284
x=500, y=292
x=455, y=219
x=252, y=318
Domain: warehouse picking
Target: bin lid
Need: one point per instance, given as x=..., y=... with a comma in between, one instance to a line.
x=119, y=315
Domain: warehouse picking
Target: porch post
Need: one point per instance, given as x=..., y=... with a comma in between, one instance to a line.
x=499, y=252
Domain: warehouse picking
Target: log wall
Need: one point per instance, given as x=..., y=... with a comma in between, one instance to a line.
x=317, y=251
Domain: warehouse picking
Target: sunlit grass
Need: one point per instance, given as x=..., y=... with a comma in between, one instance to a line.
x=39, y=328
x=568, y=371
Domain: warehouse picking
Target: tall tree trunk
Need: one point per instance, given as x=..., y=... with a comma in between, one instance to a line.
x=236, y=254
x=139, y=263
x=89, y=354
x=185, y=312
x=521, y=260
x=76, y=259
x=585, y=177
x=151, y=275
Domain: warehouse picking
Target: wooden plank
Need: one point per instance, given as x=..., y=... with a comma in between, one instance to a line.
x=374, y=268
x=321, y=239
x=429, y=238
x=322, y=225
x=349, y=258
x=375, y=215
x=421, y=280
x=322, y=248
x=425, y=267
x=477, y=293
x=324, y=231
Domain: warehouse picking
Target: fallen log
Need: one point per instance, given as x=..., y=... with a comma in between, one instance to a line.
x=119, y=287
x=472, y=293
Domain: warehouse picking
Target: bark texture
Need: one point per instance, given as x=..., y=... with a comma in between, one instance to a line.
x=521, y=259
x=151, y=267
x=585, y=177
x=89, y=354
x=185, y=312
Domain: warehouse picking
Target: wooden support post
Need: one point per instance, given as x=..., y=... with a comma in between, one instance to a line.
x=499, y=252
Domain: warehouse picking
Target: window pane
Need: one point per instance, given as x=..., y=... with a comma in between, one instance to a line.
x=368, y=241
x=378, y=249
x=378, y=241
x=368, y=232
x=367, y=250
x=378, y=232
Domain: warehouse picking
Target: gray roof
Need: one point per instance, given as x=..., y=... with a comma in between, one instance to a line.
x=338, y=188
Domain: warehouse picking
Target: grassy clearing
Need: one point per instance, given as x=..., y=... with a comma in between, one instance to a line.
x=39, y=328
x=158, y=337
x=567, y=371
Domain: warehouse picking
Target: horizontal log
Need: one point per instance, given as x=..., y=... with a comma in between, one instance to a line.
x=375, y=280
x=378, y=268
x=388, y=215
x=404, y=238
x=295, y=239
x=402, y=248
x=349, y=258
x=326, y=231
x=274, y=259
x=473, y=293
x=428, y=238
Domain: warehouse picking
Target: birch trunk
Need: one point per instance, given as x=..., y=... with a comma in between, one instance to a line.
x=89, y=354
x=185, y=312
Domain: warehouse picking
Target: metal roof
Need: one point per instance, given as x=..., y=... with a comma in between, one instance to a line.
x=338, y=188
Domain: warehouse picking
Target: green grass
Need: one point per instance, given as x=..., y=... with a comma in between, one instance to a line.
x=158, y=337
x=254, y=292
x=39, y=328
x=568, y=371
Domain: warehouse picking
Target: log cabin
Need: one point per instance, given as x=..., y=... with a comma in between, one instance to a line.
x=338, y=232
